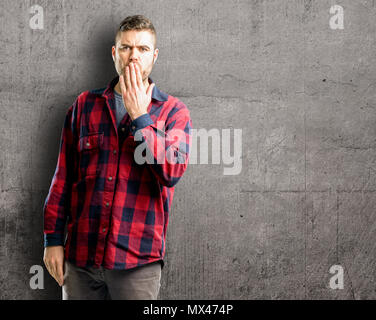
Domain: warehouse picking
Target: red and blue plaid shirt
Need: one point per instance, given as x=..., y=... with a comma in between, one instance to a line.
x=103, y=205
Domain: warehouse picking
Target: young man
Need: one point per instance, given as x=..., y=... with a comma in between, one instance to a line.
x=123, y=149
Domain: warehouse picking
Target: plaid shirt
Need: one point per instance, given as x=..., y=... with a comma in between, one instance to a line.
x=116, y=208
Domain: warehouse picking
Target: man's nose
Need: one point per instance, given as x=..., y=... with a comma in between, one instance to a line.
x=134, y=56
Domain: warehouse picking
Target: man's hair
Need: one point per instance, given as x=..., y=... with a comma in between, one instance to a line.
x=137, y=22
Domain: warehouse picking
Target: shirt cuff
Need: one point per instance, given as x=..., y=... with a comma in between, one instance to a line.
x=140, y=123
x=53, y=239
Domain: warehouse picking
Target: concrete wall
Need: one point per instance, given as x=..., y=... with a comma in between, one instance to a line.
x=303, y=95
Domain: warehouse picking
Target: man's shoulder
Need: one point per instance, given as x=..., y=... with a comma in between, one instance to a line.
x=90, y=94
x=83, y=98
x=175, y=105
x=168, y=101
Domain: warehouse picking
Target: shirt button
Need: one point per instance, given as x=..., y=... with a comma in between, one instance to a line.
x=107, y=204
x=104, y=230
x=133, y=127
x=109, y=178
x=87, y=144
x=123, y=129
x=114, y=151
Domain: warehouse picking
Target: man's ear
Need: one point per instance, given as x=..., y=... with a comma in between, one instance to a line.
x=155, y=60
x=113, y=53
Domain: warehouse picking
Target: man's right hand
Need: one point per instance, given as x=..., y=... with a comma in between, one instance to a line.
x=54, y=261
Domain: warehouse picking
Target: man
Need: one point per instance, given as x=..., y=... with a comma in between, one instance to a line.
x=123, y=149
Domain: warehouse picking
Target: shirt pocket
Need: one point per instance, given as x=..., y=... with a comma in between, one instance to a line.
x=89, y=148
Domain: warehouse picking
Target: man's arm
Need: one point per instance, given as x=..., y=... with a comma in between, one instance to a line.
x=168, y=144
x=57, y=203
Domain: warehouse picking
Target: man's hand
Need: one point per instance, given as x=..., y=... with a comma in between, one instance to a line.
x=136, y=97
x=54, y=261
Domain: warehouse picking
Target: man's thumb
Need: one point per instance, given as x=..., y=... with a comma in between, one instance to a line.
x=60, y=274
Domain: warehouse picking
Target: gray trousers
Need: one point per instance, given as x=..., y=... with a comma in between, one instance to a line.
x=141, y=283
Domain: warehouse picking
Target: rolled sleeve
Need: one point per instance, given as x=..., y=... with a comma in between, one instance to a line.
x=140, y=123
x=53, y=240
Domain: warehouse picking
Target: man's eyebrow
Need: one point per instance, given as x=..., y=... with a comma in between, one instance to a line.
x=142, y=45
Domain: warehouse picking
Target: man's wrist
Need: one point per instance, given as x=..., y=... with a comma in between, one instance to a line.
x=134, y=116
x=141, y=122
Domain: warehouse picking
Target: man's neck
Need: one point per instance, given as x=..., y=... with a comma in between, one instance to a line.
x=118, y=90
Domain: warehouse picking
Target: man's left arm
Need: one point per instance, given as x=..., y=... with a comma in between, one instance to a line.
x=167, y=144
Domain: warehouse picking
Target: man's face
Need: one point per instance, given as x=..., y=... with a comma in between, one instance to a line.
x=135, y=46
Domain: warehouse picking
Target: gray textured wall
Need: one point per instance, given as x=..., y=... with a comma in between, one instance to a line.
x=303, y=94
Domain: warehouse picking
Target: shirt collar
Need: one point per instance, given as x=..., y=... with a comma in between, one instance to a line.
x=156, y=94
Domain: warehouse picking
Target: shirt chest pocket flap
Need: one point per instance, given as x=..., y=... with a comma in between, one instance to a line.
x=91, y=142
x=89, y=147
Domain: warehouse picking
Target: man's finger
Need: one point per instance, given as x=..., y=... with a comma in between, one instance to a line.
x=127, y=78
x=149, y=91
x=55, y=268
x=133, y=76
x=122, y=84
x=51, y=270
x=60, y=274
x=138, y=76
x=48, y=267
